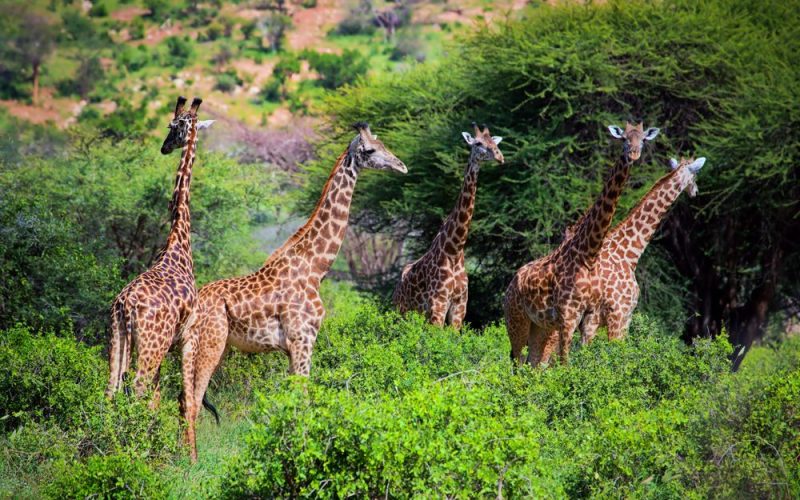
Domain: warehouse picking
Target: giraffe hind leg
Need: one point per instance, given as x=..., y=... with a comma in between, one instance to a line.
x=116, y=350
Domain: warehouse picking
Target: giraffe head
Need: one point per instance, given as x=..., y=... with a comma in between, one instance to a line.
x=633, y=137
x=181, y=124
x=369, y=152
x=483, y=145
x=687, y=169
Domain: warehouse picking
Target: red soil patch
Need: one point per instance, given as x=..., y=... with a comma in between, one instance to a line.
x=312, y=25
x=259, y=72
x=60, y=111
x=155, y=35
x=128, y=14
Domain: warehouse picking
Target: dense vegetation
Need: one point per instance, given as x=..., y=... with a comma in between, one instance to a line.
x=720, y=78
x=395, y=406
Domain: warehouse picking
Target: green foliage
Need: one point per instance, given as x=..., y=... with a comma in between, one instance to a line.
x=89, y=72
x=71, y=220
x=337, y=70
x=99, y=9
x=46, y=378
x=114, y=476
x=179, y=51
x=227, y=82
x=398, y=408
x=709, y=75
x=133, y=58
x=160, y=10
x=77, y=27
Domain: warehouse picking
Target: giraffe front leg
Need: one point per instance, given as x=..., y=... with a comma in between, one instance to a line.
x=518, y=327
x=458, y=305
x=438, y=307
x=301, y=335
x=570, y=320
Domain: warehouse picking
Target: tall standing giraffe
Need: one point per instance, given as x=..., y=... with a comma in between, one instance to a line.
x=278, y=307
x=548, y=294
x=436, y=283
x=149, y=312
x=614, y=290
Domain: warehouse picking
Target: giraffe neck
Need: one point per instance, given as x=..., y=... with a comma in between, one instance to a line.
x=591, y=231
x=631, y=236
x=452, y=236
x=179, y=240
x=319, y=240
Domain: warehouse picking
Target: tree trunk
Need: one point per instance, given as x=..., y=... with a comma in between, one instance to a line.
x=35, y=83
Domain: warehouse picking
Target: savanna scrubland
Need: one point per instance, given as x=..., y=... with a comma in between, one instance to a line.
x=395, y=407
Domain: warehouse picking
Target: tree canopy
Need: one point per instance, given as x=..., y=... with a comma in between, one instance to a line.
x=721, y=79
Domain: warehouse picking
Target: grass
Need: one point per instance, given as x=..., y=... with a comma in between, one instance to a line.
x=216, y=445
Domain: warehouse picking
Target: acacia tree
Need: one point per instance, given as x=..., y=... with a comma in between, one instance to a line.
x=30, y=38
x=720, y=78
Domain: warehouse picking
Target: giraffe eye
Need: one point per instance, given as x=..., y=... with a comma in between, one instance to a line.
x=369, y=151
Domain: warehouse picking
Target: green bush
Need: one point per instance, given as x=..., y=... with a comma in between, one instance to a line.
x=46, y=378
x=338, y=70
x=227, y=82
x=114, y=476
x=396, y=407
x=179, y=51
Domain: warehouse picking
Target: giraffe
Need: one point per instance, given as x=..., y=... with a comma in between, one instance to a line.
x=547, y=294
x=615, y=292
x=278, y=307
x=149, y=312
x=436, y=283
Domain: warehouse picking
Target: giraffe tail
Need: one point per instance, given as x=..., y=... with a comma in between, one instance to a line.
x=127, y=345
x=210, y=407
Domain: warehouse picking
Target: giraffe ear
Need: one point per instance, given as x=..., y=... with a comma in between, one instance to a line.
x=697, y=165
x=651, y=133
x=673, y=163
x=496, y=139
x=204, y=124
x=468, y=137
x=616, y=132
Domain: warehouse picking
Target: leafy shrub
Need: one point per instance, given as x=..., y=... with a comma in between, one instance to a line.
x=98, y=9
x=337, y=70
x=179, y=50
x=133, y=58
x=272, y=90
x=115, y=476
x=408, y=44
x=396, y=407
x=77, y=27
x=227, y=82
x=160, y=10
x=136, y=29
x=89, y=72
x=46, y=378
x=355, y=23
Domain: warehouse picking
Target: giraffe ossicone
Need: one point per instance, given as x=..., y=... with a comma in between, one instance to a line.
x=436, y=283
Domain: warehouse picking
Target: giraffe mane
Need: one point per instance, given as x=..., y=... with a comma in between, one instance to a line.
x=659, y=183
x=298, y=235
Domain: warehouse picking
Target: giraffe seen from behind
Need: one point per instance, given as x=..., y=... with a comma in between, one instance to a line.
x=615, y=292
x=278, y=308
x=149, y=312
x=436, y=283
x=549, y=293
